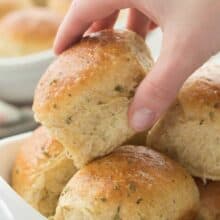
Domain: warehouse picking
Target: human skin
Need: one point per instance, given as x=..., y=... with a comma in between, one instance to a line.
x=191, y=33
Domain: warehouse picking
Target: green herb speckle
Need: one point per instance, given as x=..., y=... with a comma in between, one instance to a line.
x=53, y=82
x=140, y=217
x=211, y=115
x=132, y=187
x=119, y=88
x=201, y=122
x=131, y=93
x=103, y=199
x=117, y=214
x=216, y=105
x=139, y=201
x=46, y=154
x=69, y=120
x=116, y=187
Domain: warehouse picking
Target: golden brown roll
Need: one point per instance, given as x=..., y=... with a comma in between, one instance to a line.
x=189, y=131
x=28, y=31
x=41, y=170
x=59, y=6
x=131, y=183
x=210, y=200
x=84, y=96
x=7, y=6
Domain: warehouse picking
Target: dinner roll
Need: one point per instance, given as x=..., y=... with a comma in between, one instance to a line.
x=28, y=31
x=41, y=170
x=84, y=96
x=7, y=6
x=59, y=6
x=210, y=200
x=131, y=183
x=189, y=131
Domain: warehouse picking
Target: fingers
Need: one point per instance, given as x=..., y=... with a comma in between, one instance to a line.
x=138, y=22
x=104, y=23
x=160, y=87
x=79, y=18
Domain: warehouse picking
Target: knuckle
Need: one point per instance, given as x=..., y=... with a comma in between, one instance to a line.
x=158, y=92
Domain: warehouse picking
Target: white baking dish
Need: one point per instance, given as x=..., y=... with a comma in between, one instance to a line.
x=12, y=206
x=19, y=76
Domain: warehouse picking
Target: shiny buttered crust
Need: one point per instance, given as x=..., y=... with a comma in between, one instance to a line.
x=132, y=183
x=189, y=131
x=41, y=170
x=84, y=96
x=210, y=200
x=60, y=6
x=28, y=31
x=7, y=6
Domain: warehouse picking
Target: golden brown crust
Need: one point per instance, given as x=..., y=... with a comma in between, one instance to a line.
x=33, y=156
x=189, y=131
x=80, y=65
x=202, y=90
x=84, y=96
x=130, y=183
x=40, y=159
x=28, y=31
x=210, y=200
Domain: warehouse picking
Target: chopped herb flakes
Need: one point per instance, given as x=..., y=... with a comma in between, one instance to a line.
x=100, y=102
x=140, y=217
x=132, y=187
x=69, y=120
x=103, y=199
x=46, y=154
x=211, y=115
x=117, y=214
x=116, y=187
x=53, y=82
x=216, y=105
x=131, y=93
x=119, y=88
x=201, y=122
x=139, y=201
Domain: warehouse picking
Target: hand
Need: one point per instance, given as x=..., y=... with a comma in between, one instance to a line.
x=191, y=35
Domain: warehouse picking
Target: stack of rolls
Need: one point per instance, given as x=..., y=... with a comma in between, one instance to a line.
x=189, y=133
x=82, y=101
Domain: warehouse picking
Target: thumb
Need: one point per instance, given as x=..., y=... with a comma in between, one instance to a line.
x=179, y=58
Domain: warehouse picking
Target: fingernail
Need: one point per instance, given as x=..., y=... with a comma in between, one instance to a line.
x=142, y=119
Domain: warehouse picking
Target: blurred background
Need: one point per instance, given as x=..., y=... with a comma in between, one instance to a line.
x=27, y=32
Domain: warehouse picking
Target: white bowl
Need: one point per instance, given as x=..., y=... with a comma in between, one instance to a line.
x=12, y=206
x=19, y=76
